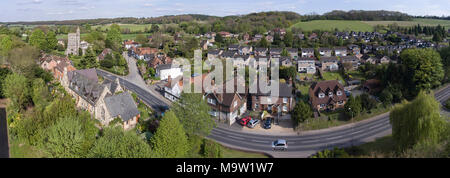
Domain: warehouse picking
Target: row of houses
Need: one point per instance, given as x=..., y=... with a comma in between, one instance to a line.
x=229, y=106
x=105, y=100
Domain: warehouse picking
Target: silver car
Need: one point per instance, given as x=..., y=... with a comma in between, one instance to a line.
x=279, y=145
x=252, y=123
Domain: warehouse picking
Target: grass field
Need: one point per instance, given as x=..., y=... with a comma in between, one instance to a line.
x=330, y=25
x=124, y=36
x=422, y=22
x=132, y=27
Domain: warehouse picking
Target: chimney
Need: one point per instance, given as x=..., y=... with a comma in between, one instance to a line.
x=169, y=80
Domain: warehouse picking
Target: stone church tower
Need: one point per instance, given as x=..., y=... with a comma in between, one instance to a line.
x=73, y=43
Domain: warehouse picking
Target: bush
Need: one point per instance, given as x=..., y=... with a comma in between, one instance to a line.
x=211, y=149
x=447, y=104
x=107, y=63
x=335, y=153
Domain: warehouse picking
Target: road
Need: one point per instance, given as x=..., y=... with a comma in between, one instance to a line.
x=144, y=94
x=312, y=141
x=4, y=144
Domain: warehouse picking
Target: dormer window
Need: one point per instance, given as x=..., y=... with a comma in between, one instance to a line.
x=330, y=94
x=321, y=95
x=339, y=93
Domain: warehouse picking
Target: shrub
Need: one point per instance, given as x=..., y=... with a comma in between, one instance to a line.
x=211, y=149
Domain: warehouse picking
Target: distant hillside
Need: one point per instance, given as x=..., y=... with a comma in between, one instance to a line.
x=380, y=15
x=331, y=25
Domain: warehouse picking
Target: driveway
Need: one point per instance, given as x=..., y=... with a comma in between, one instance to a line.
x=4, y=143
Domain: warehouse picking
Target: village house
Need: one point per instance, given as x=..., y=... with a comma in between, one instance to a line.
x=173, y=88
x=245, y=50
x=275, y=52
x=327, y=95
x=105, y=102
x=227, y=105
x=329, y=63
x=384, y=60
x=257, y=37
x=204, y=44
x=225, y=34
x=142, y=52
x=61, y=68
x=131, y=44
x=293, y=52
x=233, y=47
x=306, y=65
x=163, y=71
x=350, y=62
x=269, y=38
x=264, y=101
x=340, y=51
x=369, y=59
x=285, y=61
x=241, y=60
x=308, y=52
x=355, y=50
x=104, y=53
x=260, y=52
x=279, y=31
x=214, y=53
x=228, y=54
x=326, y=52
x=158, y=59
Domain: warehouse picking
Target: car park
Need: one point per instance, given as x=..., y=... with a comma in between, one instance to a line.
x=244, y=121
x=268, y=123
x=279, y=145
x=252, y=123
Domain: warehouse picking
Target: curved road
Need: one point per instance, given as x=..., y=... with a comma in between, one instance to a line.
x=303, y=145
x=312, y=141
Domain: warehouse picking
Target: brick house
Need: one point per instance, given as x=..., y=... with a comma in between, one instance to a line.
x=327, y=95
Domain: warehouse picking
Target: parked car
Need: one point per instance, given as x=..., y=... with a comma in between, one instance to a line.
x=244, y=121
x=268, y=123
x=252, y=123
x=279, y=145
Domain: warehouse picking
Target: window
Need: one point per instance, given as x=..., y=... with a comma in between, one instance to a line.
x=211, y=101
x=339, y=93
x=285, y=100
x=322, y=106
x=321, y=95
x=285, y=108
x=340, y=102
x=330, y=94
x=256, y=106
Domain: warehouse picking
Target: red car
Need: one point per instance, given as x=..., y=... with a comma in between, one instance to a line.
x=245, y=120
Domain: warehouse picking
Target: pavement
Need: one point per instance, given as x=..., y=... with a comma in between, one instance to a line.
x=305, y=143
x=4, y=142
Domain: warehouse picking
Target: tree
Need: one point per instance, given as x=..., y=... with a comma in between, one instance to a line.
x=193, y=113
x=4, y=72
x=416, y=122
x=423, y=69
x=284, y=52
x=288, y=72
x=302, y=111
x=155, y=28
x=39, y=93
x=367, y=102
x=22, y=60
x=437, y=37
x=218, y=38
x=141, y=39
x=445, y=55
x=6, y=45
x=51, y=41
x=353, y=106
x=288, y=39
x=170, y=140
x=89, y=60
x=114, y=37
x=115, y=143
x=386, y=97
x=38, y=39
x=16, y=89
x=64, y=139
x=263, y=43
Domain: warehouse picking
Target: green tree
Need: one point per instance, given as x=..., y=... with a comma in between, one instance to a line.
x=141, y=39
x=288, y=39
x=445, y=55
x=89, y=60
x=64, y=139
x=16, y=89
x=353, y=106
x=40, y=93
x=193, y=113
x=4, y=72
x=51, y=41
x=288, y=72
x=284, y=52
x=114, y=38
x=423, y=69
x=38, y=39
x=170, y=140
x=367, y=102
x=6, y=45
x=115, y=143
x=301, y=112
x=416, y=122
x=263, y=43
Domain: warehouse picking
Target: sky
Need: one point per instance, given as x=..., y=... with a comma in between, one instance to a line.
x=42, y=10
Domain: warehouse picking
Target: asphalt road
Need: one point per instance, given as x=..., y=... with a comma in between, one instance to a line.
x=307, y=144
x=4, y=144
x=147, y=97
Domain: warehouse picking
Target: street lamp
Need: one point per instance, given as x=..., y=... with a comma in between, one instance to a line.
x=350, y=109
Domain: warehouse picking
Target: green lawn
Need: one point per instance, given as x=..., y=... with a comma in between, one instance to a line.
x=232, y=153
x=124, y=36
x=422, y=22
x=20, y=149
x=333, y=76
x=381, y=147
x=331, y=25
x=132, y=27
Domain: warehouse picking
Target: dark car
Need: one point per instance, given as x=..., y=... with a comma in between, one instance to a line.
x=268, y=123
x=245, y=120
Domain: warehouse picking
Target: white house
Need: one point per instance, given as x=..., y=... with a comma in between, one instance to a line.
x=163, y=71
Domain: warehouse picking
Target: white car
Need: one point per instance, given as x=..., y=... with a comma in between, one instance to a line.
x=252, y=123
x=279, y=145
